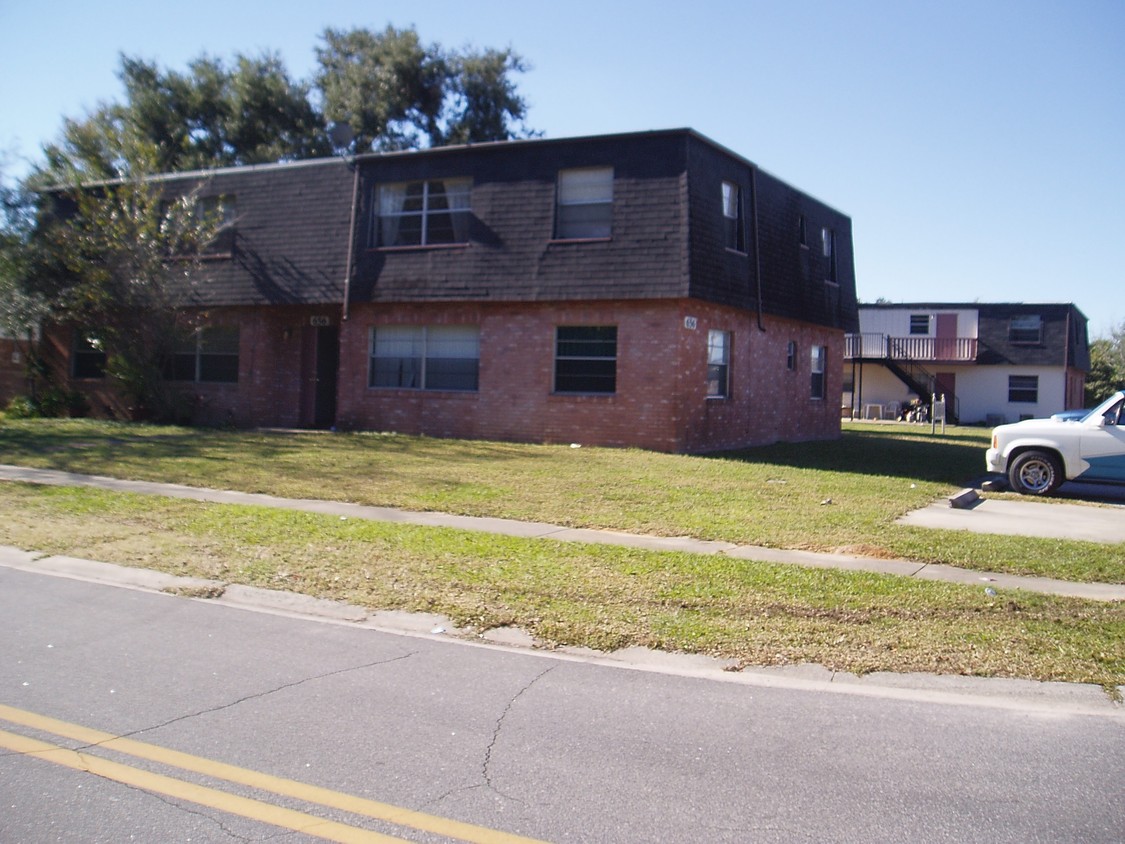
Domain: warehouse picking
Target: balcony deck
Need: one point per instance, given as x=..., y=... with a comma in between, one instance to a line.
x=921, y=349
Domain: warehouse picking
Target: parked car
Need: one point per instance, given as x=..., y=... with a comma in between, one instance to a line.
x=1072, y=415
x=1038, y=455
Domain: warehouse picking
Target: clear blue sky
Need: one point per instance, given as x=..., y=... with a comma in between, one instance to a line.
x=978, y=145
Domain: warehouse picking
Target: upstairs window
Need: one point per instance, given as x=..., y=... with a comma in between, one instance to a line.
x=718, y=364
x=920, y=324
x=733, y=226
x=427, y=213
x=216, y=212
x=1025, y=329
x=207, y=355
x=791, y=355
x=425, y=357
x=585, y=204
x=818, y=356
x=223, y=210
x=828, y=246
x=802, y=232
x=586, y=359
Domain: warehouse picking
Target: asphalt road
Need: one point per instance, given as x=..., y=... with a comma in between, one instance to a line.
x=513, y=743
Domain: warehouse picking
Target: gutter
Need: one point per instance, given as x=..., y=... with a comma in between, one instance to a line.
x=757, y=243
x=351, y=242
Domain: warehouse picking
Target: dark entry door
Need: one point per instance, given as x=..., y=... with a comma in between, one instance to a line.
x=327, y=365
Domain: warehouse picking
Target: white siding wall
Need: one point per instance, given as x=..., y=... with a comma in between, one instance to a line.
x=982, y=391
x=896, y=322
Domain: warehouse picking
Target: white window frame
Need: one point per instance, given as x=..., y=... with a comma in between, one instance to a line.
x=390, y=212
x=584, y=204
x=1025, y=385
x=916, y=321
x=828, y=247
x=818, y=365
x=418, y=349
x=718, y=364
x=200, y=348
x=1020, y=328
x=570, y=359
x=734, y=235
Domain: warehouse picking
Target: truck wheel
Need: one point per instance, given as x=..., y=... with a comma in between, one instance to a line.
x=1035, y=473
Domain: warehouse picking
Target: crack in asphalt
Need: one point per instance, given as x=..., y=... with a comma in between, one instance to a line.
x=486, y=764
x=262, y=694
x=486, y=767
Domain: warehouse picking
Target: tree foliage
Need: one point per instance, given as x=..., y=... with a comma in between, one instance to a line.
x=387, y=87
x=1107, y=367
x=213, y=115
x=117, y=262
x=108, y=255
x=22, y=308
x=388, y=90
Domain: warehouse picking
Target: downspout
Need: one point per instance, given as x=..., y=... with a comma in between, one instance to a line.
x=351, y=243
x=757, y=249
x=1066, y=364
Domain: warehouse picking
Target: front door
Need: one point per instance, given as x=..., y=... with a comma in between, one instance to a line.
x=945, y=384
x=327, y=365
x=945, y=332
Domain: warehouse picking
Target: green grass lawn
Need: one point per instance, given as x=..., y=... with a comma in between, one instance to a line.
x=774, y=496
x=567, y=593
x=597, y=596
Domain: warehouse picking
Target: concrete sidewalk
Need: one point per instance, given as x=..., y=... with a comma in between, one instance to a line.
x=538, y=530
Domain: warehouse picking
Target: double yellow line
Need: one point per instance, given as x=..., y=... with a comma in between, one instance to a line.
x=245, y=807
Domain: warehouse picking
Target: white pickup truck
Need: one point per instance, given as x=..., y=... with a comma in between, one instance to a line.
x=1038, y=455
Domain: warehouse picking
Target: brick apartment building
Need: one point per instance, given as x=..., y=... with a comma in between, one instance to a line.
x=649, y=289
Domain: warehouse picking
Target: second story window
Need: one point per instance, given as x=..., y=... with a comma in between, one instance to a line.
x=734, y=236
x=585, y=204
x=828, y=245
x=1026, y=329
x=422, y=213
x=920, y=324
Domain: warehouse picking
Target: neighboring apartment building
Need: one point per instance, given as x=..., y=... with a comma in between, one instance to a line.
x=649, y=289
x=994, y=363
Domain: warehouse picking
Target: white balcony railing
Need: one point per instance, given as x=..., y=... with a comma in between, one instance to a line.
x=883, y=346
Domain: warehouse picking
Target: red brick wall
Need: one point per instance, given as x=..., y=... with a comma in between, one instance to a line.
x=660, y=401
x=13, y=367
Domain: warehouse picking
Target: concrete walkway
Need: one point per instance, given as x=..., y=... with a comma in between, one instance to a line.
x=539, y=530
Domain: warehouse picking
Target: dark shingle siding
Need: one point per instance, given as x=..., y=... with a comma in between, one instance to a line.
x=512, y=256
x=291, y=234
x=291, y=243
x=1055, y=348
x=1064, y=337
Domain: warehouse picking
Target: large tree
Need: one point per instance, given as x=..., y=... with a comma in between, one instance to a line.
x=387, y=87
x=21, y=309
x=213, y=115
x=394, y=92
x=383, y=90
x=117, y=262
x=483, y=104
x=1107, y=366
